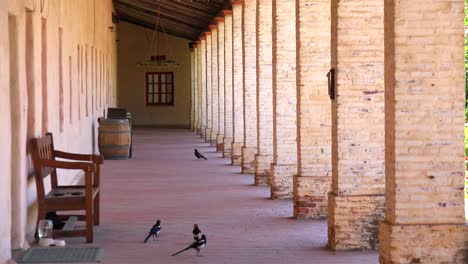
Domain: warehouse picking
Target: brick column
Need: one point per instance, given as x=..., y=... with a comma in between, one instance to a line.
x=209, y=91
x=195, y=88
x=424, y=103
x=199, y=87
x=203, y=88
x=220, y=136
x=192, y=89
x=313, y=182
x=249, y=32
x=214, y=85
x=265, y=93
x=228, y=108
x=238, y=84
x=284, y=164
x=356, y=202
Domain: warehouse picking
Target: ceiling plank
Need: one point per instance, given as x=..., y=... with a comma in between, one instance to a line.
x=147, y=25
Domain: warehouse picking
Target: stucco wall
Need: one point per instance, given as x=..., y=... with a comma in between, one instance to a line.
x=134, y=46
x=42, y=91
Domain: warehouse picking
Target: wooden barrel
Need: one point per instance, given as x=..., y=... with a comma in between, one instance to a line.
x=114, y=138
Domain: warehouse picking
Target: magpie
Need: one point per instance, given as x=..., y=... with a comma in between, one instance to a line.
x=199, y=156
x=154, y=231
x=197, y=234
x=197, y=245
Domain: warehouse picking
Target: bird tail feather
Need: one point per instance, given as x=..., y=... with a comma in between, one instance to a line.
x=146, y=239
x=187, y=248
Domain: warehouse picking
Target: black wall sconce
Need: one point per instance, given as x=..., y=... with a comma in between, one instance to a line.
x=331, y=83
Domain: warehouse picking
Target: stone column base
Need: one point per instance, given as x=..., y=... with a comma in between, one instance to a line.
x=248, y=157
x=213, y=137
x=281, y=180
x=353, y=221
x=236, y=153
x=444, y=243
x=227, y=142
x=311, y=196
x=219, y=143
x=207, y=135
x=262, y=169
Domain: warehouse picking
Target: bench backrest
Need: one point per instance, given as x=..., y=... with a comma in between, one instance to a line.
x=43, y=148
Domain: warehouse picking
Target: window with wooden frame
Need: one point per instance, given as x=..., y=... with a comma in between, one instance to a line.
x=159, y=88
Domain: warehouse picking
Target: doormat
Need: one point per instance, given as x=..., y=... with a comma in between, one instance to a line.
x=64, y=254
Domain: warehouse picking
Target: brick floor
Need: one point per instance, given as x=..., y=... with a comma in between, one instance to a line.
x=164, y=180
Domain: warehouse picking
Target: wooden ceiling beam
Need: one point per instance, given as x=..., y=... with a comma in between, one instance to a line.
x=145, y=12
x=163, y=21
x=148, y=25
x=167, y=11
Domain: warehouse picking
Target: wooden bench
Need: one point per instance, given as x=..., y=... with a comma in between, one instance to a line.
x=67, y=197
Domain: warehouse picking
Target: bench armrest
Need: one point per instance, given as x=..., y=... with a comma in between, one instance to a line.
x=87, y=167
x=97, y=159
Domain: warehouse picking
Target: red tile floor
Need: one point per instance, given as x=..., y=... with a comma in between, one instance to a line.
x=164, y=180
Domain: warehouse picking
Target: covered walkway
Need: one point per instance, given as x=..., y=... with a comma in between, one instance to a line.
x=164, y=180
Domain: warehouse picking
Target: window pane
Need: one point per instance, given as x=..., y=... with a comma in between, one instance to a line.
x=156, y=78
x=169, y=78
x=150, y=78
x=163, y=88
x=150, y=88
x=156, y=98
x=150, y=98
x=163, y=78
x=169, y=88
x=163, y=98
x=169, y=98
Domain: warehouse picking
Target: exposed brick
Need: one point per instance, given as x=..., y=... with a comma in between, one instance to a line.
x=284, y=99
x=249, y=31
x=265, y=93
x=314, y=122
x=423, y=243
x=199, y=87
x=228, y=108
x=203, y=89
x=424, y=87
x=237, y=90
x=311, y=196
x=262, y=169
x=221, y=81
x=358, y=146
x=192, y=88
x=281, y=180
x=353, y=221
x=209, y=88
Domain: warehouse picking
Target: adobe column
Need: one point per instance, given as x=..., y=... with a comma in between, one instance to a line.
x=356, y=202
x=424, y=103
x=313, y=181
x=195, y=88
x=284, y=164
x=220, y=136
x=214, y=85
x=249, y=32
x=199, y=87
x=238, y=84
x=192, y=88
x=265, y=93
x=203, y=88
x=228, y=107
x=209, y=91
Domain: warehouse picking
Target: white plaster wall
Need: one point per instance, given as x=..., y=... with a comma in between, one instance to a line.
x=85, y=23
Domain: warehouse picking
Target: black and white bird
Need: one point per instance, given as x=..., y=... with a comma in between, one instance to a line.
x=154, y=231
x=197, y=234
x=199, y=155
x=197, y=245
